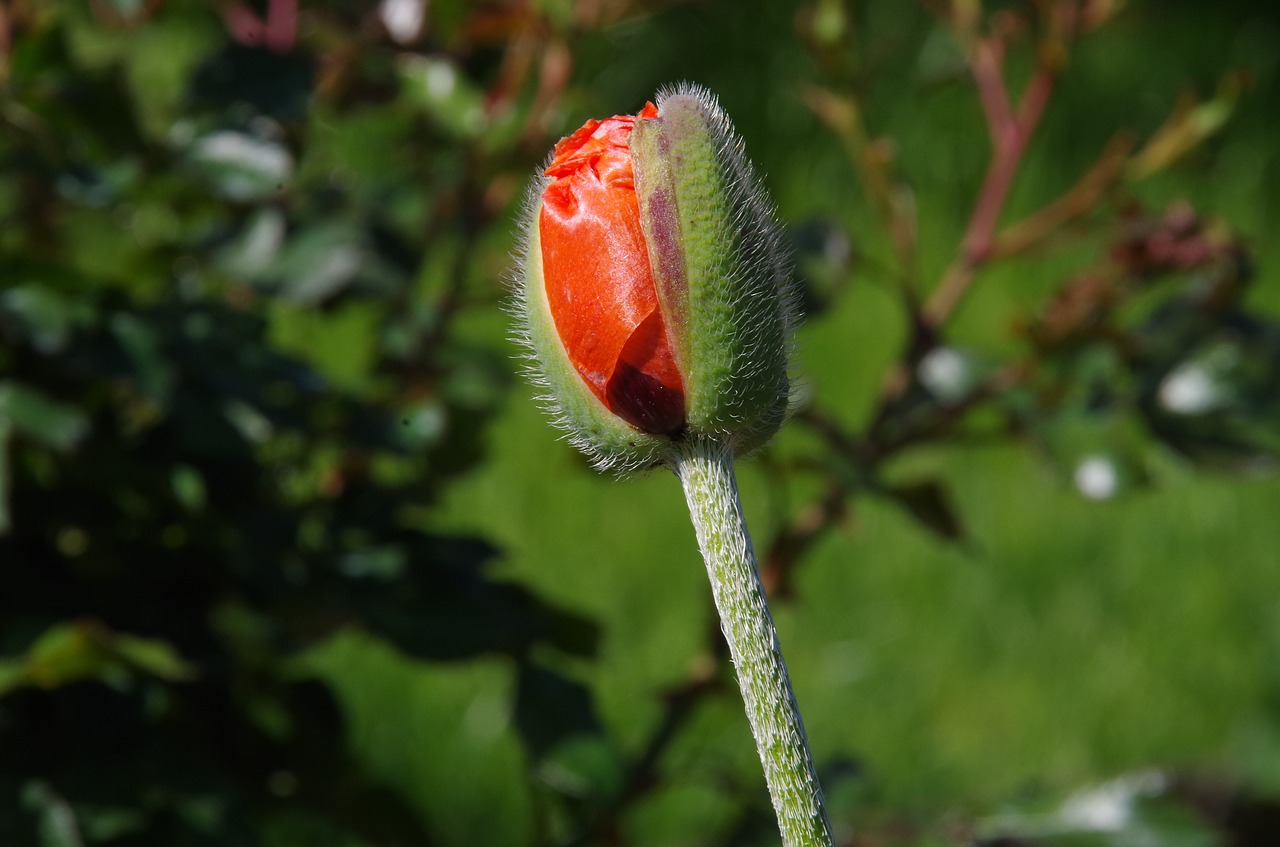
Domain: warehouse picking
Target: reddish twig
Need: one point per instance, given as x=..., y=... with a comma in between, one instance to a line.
x=278, y=32
x=1010, y=133
x=6, y=41
x=1035, y=228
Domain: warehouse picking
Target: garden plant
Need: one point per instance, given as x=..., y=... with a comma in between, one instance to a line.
x=288, y=556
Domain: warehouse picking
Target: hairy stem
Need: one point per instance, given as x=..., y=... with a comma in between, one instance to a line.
x=706, y=472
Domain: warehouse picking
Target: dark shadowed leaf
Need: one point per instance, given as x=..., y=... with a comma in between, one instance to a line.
x=551, y=709
x=929, y=503
x=271, y=83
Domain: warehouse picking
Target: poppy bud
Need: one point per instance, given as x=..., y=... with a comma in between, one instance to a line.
x=654, y=298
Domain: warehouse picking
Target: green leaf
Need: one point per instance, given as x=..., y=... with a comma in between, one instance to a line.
x=85, y=650
x=378, y=563
x=439, y=87
x=6, y=483
x=320, y=262
x=11, y=674
x=242, y=166
x=32, y=414
x=152, y=656
x=45, y=316
x=58, y=826
x=188, y=487
x=143, y=345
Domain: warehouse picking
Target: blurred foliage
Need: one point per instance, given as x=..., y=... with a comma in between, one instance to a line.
x=193, y=495
x=249, y=272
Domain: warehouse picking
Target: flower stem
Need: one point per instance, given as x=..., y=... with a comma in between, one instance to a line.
x=705, y=470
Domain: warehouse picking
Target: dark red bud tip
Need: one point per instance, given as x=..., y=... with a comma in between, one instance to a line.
x=645, y=389
x=598, y=281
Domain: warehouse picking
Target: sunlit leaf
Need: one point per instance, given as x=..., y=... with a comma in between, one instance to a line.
x=242, y=166
x=84, y=650
x=320, y=262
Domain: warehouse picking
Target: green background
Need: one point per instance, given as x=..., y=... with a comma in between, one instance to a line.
x=1061, y=643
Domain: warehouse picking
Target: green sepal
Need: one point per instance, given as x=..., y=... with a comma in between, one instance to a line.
x=719, y=266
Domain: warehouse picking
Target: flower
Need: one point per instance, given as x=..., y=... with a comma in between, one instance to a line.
x=654, y=297
x=597, y=279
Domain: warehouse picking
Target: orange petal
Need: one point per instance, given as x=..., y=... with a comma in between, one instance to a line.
x=598, y=281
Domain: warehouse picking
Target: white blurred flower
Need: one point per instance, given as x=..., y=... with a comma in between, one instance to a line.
x=1096, y=477
x=403, y=18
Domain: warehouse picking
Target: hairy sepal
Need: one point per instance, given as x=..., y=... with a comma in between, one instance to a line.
x=719, y=267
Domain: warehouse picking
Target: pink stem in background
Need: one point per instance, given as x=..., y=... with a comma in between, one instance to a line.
x=5, y=43
x=1010, y=133
x=279, y=32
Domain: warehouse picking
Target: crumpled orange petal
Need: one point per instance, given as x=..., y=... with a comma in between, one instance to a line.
x=599, y=285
